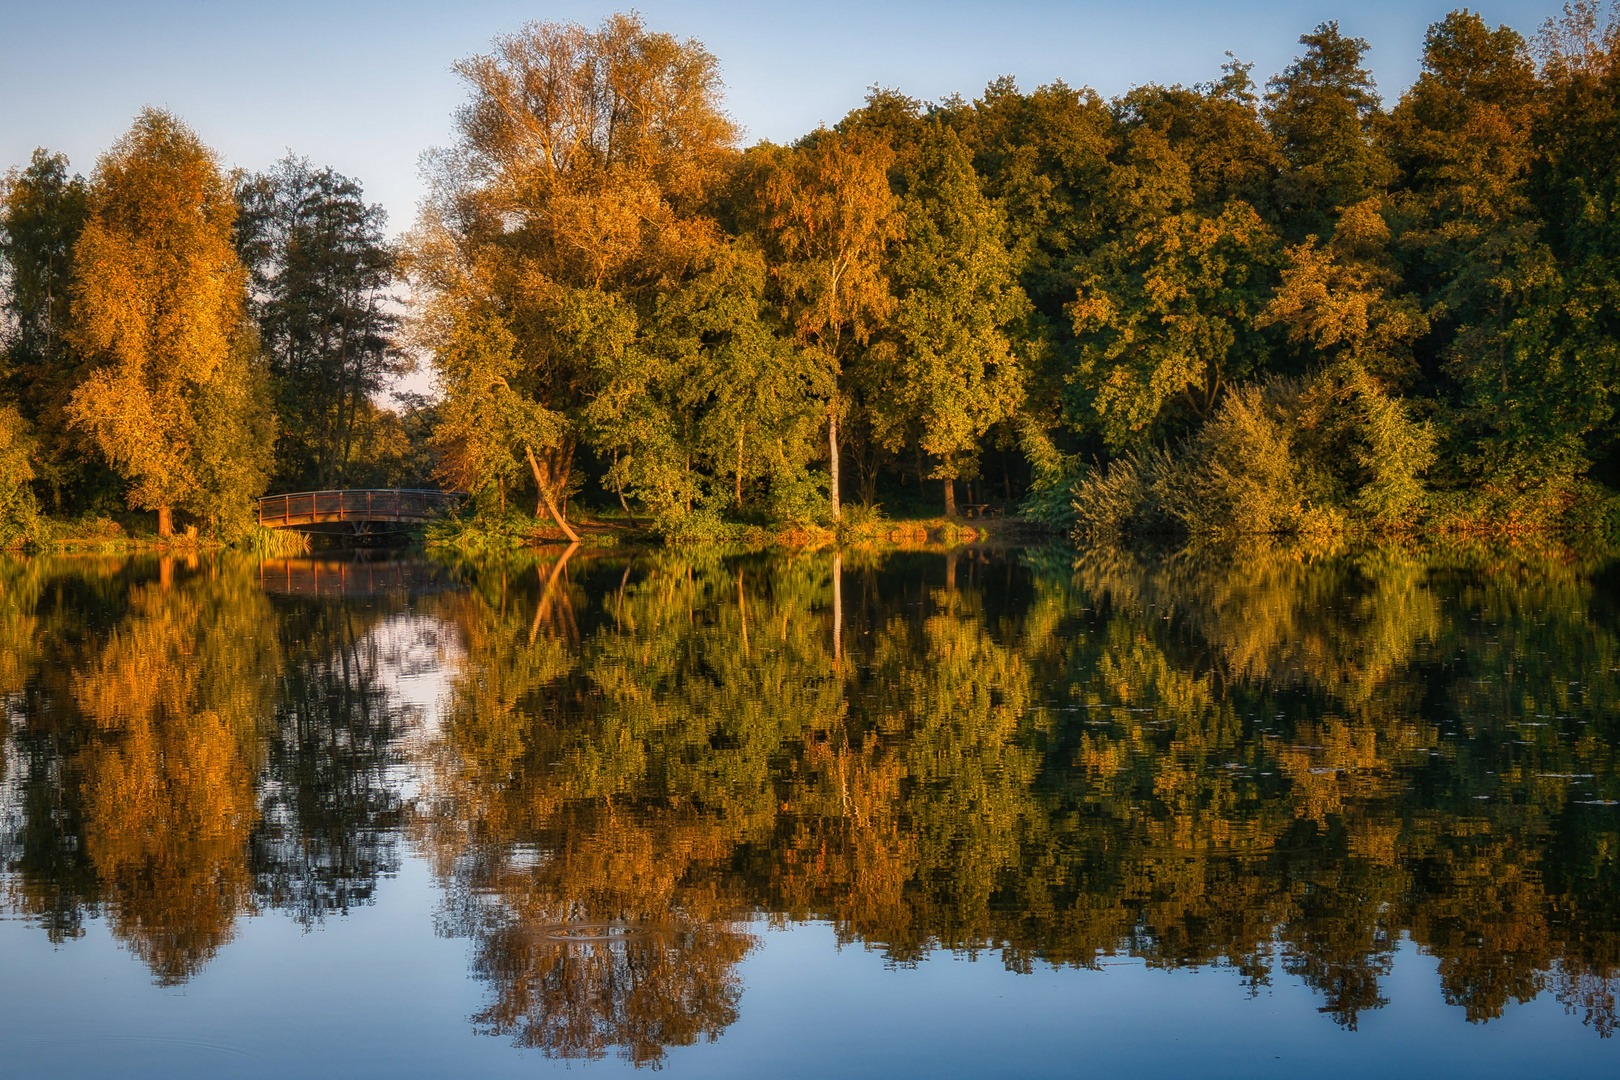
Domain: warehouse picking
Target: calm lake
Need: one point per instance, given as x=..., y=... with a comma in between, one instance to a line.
x=1015, y=813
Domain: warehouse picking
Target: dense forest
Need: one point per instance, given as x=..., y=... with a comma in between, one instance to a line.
x=1221, y=308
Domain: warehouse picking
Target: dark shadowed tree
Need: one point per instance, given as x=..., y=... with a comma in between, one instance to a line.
x=1325, y=114
x=42, y=211
x=320, y=271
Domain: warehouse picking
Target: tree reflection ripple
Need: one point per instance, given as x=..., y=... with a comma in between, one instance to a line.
x=1263, y=759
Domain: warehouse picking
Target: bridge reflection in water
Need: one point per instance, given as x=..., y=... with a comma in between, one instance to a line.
x=352, y=577
x=355, y=511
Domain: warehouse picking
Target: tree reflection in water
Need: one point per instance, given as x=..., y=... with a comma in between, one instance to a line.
x=189, y=751
x=1256, y=758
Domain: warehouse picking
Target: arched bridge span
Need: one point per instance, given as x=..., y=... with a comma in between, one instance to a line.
x=355, y=510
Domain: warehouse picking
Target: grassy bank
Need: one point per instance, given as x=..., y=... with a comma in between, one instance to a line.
x=478, y=534
x=102, y=534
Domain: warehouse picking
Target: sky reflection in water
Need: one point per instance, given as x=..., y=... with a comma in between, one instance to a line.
x=1028, y=813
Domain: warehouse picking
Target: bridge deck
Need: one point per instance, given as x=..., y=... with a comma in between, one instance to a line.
x=312, y=510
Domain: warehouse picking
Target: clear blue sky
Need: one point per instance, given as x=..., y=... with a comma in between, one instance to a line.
x=365, y=86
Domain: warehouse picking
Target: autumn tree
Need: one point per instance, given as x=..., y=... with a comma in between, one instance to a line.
x=175, y=699
x=826, y=214
x=577, y=191
x=175, y=399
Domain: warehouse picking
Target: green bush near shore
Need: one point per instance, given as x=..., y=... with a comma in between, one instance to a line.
x=1329, y=456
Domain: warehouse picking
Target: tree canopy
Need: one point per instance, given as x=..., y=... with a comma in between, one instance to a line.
x=1395, y=316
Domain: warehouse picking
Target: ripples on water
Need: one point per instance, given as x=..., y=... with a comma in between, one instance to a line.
x=623, y=779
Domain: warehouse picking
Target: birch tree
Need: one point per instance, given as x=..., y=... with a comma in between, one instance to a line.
x=828, y=216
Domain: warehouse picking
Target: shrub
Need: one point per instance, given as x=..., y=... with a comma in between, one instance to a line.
x=473, y=533
x=1054, y=480
x=1241, y=474
x=800, y=498
x=703, y=525
x=1127, y=497
x=1393, y=452
x=1285, y=457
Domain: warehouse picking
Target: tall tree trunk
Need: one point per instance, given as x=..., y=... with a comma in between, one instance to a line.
x=565, y=471
x=542, y=483
x=838, y=610
x=742, y=611
x=832, y=451
x=950, y=496
x=165, y=520
x=618, y=489
x=740, y=432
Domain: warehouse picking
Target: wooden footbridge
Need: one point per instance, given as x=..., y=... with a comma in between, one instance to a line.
x=356, y=511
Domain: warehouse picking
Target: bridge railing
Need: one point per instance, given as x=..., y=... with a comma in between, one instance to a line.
x=355, y=504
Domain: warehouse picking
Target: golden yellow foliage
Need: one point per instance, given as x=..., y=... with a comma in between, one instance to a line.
x=158, y=305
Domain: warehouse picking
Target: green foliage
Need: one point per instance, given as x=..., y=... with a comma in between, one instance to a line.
x=1324, y=315
x=42, y=212
x=235, y=443
x=800, y=498
x=20, y=522
x=1191, y=308
x=1165, y=321
x=475, y=533
x=1289, y=457
x=957, y=373
x=704, y=524
x=1325, y=114
x=1126, y=497
x=711, y=399
x=485, y=424
x=319, y=271
x=1391, y=452
x=1243, y=473
x=1050, y=494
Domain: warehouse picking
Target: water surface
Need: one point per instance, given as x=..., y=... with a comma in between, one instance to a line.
x=1030, y=813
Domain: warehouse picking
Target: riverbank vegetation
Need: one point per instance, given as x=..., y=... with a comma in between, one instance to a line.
x=1217, y=308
